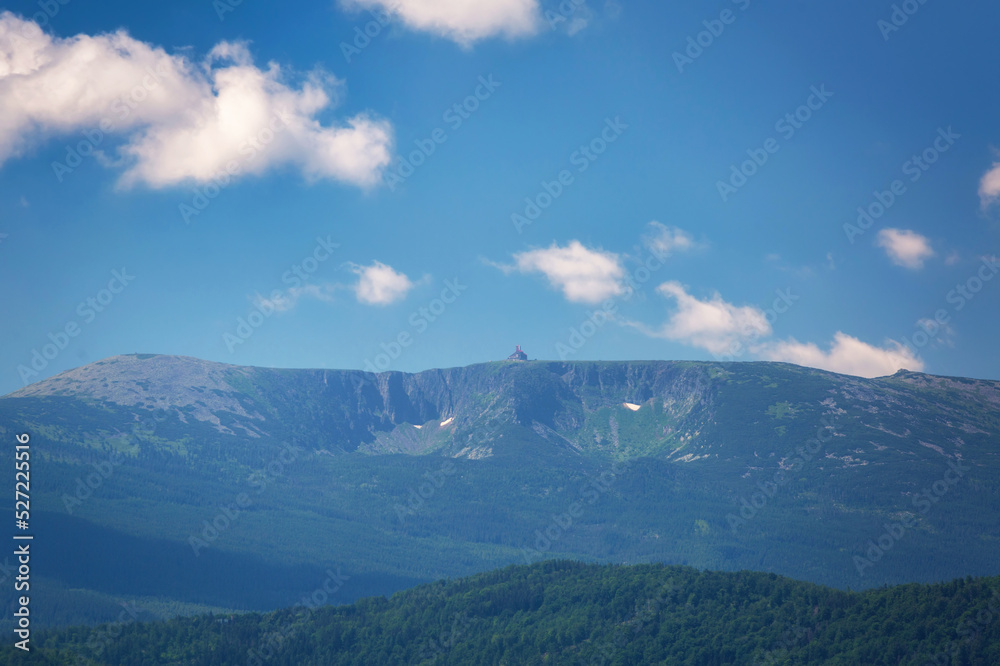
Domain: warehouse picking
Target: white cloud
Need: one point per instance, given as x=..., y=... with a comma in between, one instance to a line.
x=575, y=16
x=941, y=333
x=989, y=186
x=668, y=240
x=179, y=120
x=713, y=324
x=727, y=330
x=461, y=20
x=283, y=301
x=278, y=301
x=905, y=248
x=801, y=272
x=379, y=284
x=847, y=355
x=582, y=274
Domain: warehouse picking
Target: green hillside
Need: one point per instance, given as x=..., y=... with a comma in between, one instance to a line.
x=568, y=613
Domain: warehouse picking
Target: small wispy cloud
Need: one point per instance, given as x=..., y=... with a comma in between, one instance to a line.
x=461, y=22
x=380, y=284
x=941, y=333
x=666, y=240
x=720, y=327
x=801, y=272
x=846, y=355
x=989, y=186
x=286, y=300
x=377, y=284
x=905, y=248
x=582, y=274
x=711, y=324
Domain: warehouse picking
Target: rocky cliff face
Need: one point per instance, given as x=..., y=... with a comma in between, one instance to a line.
x=393, y=411
x=606, y=409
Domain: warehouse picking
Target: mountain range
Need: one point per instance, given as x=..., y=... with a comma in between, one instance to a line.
x=176, y=486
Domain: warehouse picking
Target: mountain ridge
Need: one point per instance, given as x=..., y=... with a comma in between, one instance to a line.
x=544, y=395
x=403, y=478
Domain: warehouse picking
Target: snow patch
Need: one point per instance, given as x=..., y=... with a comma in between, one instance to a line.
x=632, y=406
x=447, y=421
x=477, y=453
x=934, y=447
x=418, y=427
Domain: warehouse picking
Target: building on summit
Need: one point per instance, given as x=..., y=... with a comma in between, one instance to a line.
x=518, y=355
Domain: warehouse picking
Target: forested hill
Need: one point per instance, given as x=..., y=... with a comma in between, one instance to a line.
x=561, y=612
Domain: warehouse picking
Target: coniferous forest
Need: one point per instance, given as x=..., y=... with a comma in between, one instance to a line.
x=562, y=612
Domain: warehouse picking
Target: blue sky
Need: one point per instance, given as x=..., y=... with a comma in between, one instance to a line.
x=693, y=170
